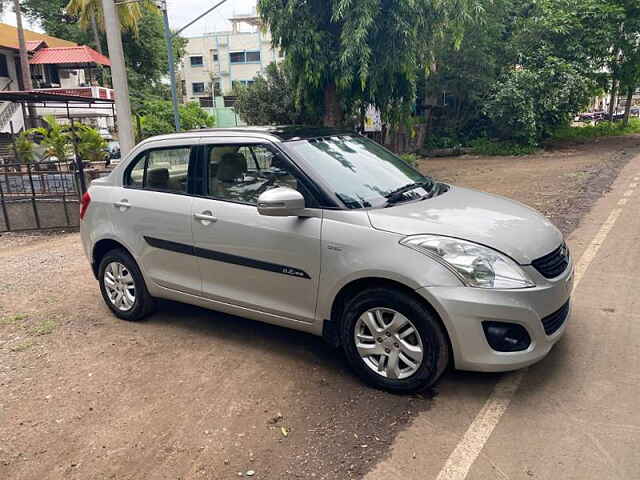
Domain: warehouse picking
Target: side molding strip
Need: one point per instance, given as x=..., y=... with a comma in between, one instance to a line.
x=225, y=257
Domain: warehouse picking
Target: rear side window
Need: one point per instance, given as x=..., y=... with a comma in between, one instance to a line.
x=163, y=169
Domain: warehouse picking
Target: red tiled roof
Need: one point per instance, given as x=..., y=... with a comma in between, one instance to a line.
x=72, y=55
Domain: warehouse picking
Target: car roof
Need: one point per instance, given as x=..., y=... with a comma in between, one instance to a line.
x=283, y=133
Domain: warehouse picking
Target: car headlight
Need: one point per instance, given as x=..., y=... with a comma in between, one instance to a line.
x=476, y=265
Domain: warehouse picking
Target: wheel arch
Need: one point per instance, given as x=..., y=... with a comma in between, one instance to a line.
x=331, y=326
x=101, y=248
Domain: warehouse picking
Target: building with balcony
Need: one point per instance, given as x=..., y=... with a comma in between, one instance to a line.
x=215, y=61
x=57, y=67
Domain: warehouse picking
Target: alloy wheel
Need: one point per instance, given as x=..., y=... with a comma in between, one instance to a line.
x=388, y=343
x=120, y=286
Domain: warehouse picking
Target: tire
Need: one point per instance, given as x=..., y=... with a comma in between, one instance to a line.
x=128, y=309
x=385, y=304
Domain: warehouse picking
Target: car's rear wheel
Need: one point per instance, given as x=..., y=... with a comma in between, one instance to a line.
x=123, y=287
x=393, y=341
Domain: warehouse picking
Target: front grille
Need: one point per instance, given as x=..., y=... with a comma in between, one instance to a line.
x=554, y=263
x=553, y=322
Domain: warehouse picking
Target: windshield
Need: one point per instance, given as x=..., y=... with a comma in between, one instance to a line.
x=360, y=172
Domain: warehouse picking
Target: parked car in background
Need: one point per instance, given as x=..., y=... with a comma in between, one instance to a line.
x=327, y=232
x=105, y=133
x=113, y=149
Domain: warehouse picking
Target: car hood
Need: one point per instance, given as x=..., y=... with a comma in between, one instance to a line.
x=497, y=222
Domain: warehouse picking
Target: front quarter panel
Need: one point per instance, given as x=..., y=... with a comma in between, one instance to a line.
x=352, y=249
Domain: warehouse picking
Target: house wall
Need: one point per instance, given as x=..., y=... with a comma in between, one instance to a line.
x=222, y=70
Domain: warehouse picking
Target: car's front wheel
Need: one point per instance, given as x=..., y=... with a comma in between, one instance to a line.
x=123, y=287
x=393, y=341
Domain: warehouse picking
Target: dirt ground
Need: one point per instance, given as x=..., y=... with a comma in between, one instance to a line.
x=192, y=394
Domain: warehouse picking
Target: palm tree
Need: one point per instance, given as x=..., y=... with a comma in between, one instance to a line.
x=90, y=16
x=24, y=55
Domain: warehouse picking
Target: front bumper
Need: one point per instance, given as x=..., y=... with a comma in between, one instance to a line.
x=463, y=309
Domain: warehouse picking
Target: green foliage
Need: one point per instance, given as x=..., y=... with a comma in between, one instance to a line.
x=156, y=117
x=527, y=104
x=485, y=146
x=602, y=129
x=410, y=158
x=91, y=145
x=271, y=100
x=56, y=139
x=362, y=52
x=24, y=147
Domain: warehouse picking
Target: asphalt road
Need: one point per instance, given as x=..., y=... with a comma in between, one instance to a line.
x=574, y=415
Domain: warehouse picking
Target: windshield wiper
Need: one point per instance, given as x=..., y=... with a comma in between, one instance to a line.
x=398, y=194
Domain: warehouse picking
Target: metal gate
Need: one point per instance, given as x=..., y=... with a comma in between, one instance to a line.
x=35, y=196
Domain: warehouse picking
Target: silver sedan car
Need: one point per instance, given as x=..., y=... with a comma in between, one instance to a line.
x=327, y=232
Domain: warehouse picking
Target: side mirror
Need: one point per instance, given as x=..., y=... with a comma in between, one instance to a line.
x=281, y=202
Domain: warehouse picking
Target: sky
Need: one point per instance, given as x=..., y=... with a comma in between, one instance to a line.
x=182, y=12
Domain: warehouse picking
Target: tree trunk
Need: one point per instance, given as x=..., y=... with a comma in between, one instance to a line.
x=614, y=98
x=96, y=34
x=332, y=110
x=24, y=55
x=627, y=107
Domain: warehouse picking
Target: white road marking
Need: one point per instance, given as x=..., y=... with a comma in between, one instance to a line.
x=473, y=441
x=460, y=461
x=592, y=250
x=623, y=201
x=633, y=185
x=628, y=193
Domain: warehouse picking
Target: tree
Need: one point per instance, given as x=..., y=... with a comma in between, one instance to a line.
x=271, y=100
x=156, y=117
x=23, y=54
x=528, y=104
x=90, y=16
x=359, y=52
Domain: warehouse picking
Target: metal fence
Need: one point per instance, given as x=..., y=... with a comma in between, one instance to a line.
x=35, y=196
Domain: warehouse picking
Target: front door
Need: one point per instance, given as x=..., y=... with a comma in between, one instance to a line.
x=270, y=264
x=152, y=212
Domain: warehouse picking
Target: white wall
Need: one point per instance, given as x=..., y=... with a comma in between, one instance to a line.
x=225, y=43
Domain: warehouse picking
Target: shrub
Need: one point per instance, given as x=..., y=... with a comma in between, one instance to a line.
x=528, y=104
x=602, y=129
x=484, y=146
x=410, y=158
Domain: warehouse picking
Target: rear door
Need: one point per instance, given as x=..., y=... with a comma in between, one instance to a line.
x=269, y=264
x=152, y=213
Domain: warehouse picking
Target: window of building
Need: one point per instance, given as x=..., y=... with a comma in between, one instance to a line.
x=4, y=68
x=253, y=56
x=197, y=61
x=244, y=57
x=206, y=102
x=215, y=56
x=197, y=87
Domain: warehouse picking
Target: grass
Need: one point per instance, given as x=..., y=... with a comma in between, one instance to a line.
x=45, y=328
x=22, y=346
x=602, y=129
x=13, y=319
x=484, y=146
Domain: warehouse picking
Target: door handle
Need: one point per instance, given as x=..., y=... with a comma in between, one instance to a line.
x=205, y=217
x=122, y=205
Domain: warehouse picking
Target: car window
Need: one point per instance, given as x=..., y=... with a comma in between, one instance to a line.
x=241, y=173
x=163, y=169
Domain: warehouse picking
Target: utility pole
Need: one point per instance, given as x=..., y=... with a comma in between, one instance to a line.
x=168, y=35
x=119, y=76
x=162, y=4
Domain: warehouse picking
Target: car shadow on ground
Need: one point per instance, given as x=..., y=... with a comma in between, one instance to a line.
x=246, y=333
